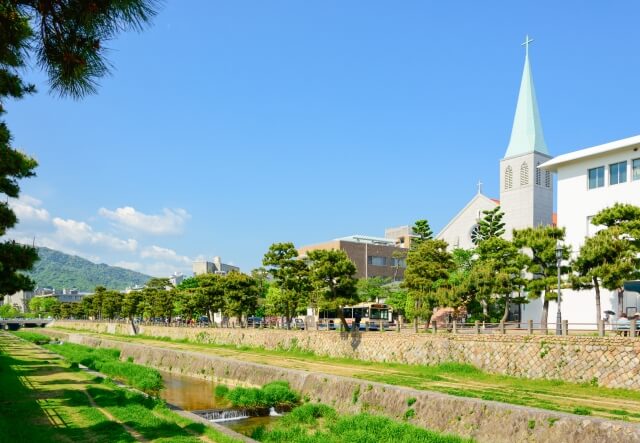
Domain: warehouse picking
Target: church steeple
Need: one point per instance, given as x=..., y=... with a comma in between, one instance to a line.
x=526, y=134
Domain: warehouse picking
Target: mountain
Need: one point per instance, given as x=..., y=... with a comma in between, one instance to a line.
x=59, y=270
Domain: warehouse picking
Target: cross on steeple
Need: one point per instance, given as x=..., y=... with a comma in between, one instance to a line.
x=527, y=40
x=480, y=187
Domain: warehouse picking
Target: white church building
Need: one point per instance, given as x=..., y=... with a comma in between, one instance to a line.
x=588, y=180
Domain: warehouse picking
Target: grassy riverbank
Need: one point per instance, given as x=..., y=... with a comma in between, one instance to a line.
x=313, y=423
x=44, y=398
x=451, y=378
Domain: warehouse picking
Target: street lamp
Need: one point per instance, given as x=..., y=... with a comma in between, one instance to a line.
x=559, y=251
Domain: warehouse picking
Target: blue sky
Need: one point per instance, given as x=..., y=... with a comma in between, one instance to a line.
x=228, y=126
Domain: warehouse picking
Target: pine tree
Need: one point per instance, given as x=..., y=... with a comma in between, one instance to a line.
x=66, y=38
x=422, y=232
x=610, y=257
x=490, y=226
x=542, y=265
x=428, y=268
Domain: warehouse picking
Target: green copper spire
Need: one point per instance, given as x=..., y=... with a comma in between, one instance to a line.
x=526, y=135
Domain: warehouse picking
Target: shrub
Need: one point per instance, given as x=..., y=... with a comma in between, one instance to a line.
x=221, y=391
x=276, y=393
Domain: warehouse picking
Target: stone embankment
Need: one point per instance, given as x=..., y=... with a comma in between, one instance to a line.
x=606, y=361
x=485, y=421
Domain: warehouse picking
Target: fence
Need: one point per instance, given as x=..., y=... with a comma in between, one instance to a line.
x=601, y=329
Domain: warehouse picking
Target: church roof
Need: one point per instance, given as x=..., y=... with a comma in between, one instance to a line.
x=526, y=134
x=595, y=151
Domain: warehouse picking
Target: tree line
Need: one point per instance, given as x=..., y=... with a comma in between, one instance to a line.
x=485, y=280
x=481, y=282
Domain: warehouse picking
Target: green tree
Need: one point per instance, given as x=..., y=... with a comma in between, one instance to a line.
x=397, y=299
x=333, y=276
x=421, y=232
x=498, y=271
x=42, y=305
x=373, y=288
x=66, y=39
x=622, y=223
x=111, y=305
x=240, y=294
x=458, y=294
x=8, y=311
x=542, y=268
x=610, y=257
x=290, y=275
x=158, y=297
x=132, y=306
x=491, y=225
x=210, y=295
x=428, y=268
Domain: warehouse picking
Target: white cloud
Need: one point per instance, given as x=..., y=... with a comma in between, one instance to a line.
x=28, y=208
x=171, y=221
x=160, y=253
x=81, y=233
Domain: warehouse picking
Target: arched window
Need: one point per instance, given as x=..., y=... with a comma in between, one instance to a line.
x=538, y=175
x=524, y=174
x=547, y=179
x=508, y=177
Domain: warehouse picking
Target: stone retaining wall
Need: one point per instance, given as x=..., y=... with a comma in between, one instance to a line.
x=607, y=361
x=485, y=421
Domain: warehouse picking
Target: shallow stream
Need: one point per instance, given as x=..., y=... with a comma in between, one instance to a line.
x=197, y=395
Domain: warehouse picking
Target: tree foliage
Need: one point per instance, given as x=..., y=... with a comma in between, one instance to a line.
x=422, y=232
x=333, y=277
x=66, y=38
x=542, y=267
x=611, y=256
x=290, y=275
x=490, y=226
x=428, y=269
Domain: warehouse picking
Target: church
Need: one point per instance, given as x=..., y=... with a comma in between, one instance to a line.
x=589, y=180
x=526, y=191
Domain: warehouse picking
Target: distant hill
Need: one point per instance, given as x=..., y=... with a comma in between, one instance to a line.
x=59, y=270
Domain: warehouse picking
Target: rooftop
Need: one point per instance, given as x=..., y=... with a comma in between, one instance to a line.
x=368, y=239
x=619, y=145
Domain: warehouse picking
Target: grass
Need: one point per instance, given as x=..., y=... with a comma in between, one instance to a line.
x=43, y=400
x=276, y=394
x=319, y=423
x=33, y=337
x=108, y=362
x=451, y=378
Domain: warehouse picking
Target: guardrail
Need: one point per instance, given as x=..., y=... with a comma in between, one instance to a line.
x=602, y=329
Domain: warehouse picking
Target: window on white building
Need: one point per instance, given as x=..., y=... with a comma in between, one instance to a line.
x=596, y=177
x=547, y=179
x=617, y=173
x=635, y=166
x=538, y=175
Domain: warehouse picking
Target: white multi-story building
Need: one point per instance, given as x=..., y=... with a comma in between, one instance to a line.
x=214, y=267
x=590, y=180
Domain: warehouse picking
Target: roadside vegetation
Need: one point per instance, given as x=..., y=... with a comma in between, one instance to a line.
x=274, y=394
x=108, y=362
x=451, y=378
x=311, y=423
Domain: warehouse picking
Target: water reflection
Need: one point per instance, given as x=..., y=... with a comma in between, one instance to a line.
x=194, y=394
x=190, y=393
